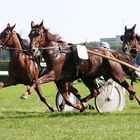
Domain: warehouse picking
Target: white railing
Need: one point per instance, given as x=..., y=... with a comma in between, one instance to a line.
x=5, y=73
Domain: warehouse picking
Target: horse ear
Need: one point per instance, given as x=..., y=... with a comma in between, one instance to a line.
x=125, y=27
x=13, y=26
x=32, y=24
x=121, y=37
x=133, y=28
x=41, y=24
x=8, y=25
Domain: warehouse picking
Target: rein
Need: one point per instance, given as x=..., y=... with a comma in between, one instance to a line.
x=20, y=50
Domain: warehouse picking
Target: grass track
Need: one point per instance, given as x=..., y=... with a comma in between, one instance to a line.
x=31, y=120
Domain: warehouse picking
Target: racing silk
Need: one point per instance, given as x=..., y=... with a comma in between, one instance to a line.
x=138, y=59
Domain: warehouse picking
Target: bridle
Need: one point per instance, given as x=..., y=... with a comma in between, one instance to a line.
x=5, y=46
x=6, y=41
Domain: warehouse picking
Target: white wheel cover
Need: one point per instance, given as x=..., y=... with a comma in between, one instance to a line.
x=117, y=101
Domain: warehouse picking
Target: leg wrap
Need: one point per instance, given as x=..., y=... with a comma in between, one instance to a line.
x=125, y=84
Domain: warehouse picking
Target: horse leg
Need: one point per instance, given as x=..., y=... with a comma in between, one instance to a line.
x=50, y=76
x=62, y=87
x=69, y=89
x=7, y=83
x=92, y=86
x=62, y=105
x=117, y=74
x=119, y=77
x=28, y=91
x=82, y=106
x=74, y=91
x=130, y=90
x=131, y=97
x=40, y=94
x=92, y=94
x=26, y=94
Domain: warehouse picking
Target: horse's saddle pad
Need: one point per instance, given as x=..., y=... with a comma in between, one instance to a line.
x=82, y=51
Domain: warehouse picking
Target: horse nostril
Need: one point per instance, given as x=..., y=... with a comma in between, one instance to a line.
x=33, y=50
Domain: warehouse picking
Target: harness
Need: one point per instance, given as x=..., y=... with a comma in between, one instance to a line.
x=76, y=60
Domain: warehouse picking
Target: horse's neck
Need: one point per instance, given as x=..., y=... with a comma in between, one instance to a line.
x=16, y=48
x=16, y=42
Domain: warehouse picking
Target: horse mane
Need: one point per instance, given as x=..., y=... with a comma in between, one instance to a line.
x=24, y=42
x=51, y=37
x=54, y=37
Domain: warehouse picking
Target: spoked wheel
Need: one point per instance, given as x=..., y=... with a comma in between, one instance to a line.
x=111, y=97
x=60, y=103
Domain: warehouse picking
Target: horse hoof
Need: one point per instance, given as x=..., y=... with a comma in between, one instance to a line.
x=24, y=96
x=90, y=107
x=52, y=110
x=61, y=107
x=84, y=106
x=82, y=110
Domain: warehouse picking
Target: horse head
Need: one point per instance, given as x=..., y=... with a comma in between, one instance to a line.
x=37, y=37
x=6, y=35
x=40, y=37
x=129, y=38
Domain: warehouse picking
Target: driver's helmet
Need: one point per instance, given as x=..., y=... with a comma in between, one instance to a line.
x=104, y=45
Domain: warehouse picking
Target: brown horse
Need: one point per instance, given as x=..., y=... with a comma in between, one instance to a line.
x=131, y=43
x=62, y=58
x=22, y=67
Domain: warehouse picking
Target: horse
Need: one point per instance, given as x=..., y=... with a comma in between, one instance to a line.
x=131, y=44
x=23, y=69
x=62, y=58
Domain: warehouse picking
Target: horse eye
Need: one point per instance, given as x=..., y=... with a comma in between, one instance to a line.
x=37, y=33
x=34, y=33
x=130, y=37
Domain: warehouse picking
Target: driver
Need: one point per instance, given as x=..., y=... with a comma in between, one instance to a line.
x=104, y=45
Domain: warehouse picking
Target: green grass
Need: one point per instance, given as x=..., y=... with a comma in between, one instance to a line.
x=31, y=120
